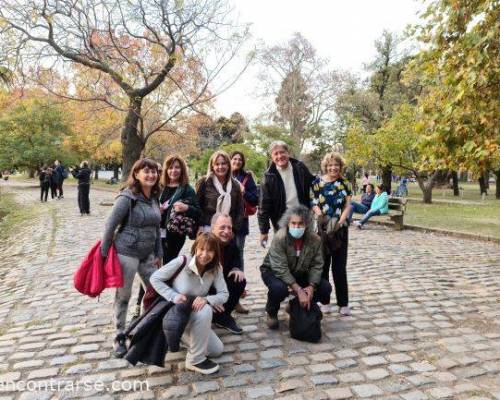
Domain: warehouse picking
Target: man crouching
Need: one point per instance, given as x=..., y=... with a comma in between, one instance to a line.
x=294, y=261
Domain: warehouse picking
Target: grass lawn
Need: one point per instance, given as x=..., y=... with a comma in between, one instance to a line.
x=11, y=215
x=478, y=219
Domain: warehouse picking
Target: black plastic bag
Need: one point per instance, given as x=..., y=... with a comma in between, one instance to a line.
x=305, y=325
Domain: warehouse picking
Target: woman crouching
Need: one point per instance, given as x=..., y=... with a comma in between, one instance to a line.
x=201, y=272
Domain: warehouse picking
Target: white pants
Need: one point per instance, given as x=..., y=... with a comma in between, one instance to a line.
x=199, y=338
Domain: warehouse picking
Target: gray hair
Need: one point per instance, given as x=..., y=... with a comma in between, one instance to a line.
x=218, y=215
x=299, y=211
x=278, y=143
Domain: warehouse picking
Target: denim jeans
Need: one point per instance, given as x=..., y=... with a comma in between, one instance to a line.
x=357, y=208
x=368, y=215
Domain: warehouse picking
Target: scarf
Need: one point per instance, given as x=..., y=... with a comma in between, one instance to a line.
x=224, y=199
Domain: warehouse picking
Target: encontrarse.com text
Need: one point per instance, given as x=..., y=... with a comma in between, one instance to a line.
x=57, y=385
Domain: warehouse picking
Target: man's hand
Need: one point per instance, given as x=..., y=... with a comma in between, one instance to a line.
x=310, y=292
x=263, y=239
x=317, y=211
x=218, y=308
x=304, y=300
x=180, y=298
x=199, y=303
x=157, y=262
x=239, y=276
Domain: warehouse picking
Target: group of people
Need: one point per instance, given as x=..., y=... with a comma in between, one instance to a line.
x=157, y=209
x=52, y=178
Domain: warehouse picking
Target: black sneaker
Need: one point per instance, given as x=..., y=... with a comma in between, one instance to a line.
x=206, y=367
x=272, y=322
x=227, y=322
x=120, y=345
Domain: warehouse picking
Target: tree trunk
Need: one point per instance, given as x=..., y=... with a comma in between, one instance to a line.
x=427, y=187
x=497, y=194
x=31, y=172
x=116, y=171
x=482, y=185
x=96, y=172
x=387, y=179
x=487, y=179
x=132, y=143
x=454, y=177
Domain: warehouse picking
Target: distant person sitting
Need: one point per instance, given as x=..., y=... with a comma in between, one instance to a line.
x=366, y=202
x=380, y=205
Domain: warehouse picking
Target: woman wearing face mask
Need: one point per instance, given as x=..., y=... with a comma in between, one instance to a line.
x=200, y=273
x=294, y=261
x=331, y=197
x=134, y=227
x=219, y=192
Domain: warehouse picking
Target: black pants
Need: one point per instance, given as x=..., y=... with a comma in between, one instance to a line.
x=235, y=290
x=83, y=198
x=278, y=291
x=53, y=190
x=172, y=246
x=338, y=261
x=44, y=191
x=60, y=189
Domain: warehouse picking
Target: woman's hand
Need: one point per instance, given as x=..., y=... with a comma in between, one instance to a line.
x=317, y=211
x=180, y=207
x=239, y=276
x=218, y=308
x=180, y=298
x=199, y=303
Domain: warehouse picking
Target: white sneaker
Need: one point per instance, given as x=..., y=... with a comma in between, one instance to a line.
x=345, y=311
x=325, y=308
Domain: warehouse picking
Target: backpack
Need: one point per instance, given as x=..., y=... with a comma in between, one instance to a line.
x=305, y=325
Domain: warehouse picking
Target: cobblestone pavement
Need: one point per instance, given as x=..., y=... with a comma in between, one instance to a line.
x=425, y=322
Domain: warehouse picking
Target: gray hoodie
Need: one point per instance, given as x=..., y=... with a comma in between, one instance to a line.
x=139, y=220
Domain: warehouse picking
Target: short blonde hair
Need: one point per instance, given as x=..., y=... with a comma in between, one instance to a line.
x=213, y=159
x=330, y=158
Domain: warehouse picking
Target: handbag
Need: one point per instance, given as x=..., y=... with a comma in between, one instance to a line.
x=249, y=209
x=305, y=325
x=331, y=235
x=182, y=225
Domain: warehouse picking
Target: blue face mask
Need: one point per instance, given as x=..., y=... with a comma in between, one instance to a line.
x=296, y=233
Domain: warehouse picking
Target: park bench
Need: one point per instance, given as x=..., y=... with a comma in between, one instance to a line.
x=397, y=208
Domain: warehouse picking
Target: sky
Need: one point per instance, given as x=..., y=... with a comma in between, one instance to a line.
x=343, y=31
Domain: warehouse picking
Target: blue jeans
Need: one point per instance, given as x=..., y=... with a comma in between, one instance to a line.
x=357, y=208
x=368, y=215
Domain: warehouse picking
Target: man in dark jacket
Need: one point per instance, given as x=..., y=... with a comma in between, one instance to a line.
x=83, y=175
x=60, y=174
x=286, y=184
x=222, y=228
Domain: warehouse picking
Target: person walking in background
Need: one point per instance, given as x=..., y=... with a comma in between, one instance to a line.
x=250, y=201
x=331, y=197
x=137, y=241
x=44, y=177
x=83, y=175
x=219, y=192
x=61, y=174
x=380, y=205
x=294, y=261
x=365, y=181
x=366, y=202
x=285, y=184
x=201, y=272
x=52, y=183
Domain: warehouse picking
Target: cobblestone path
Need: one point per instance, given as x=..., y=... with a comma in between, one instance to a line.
x=425, y=323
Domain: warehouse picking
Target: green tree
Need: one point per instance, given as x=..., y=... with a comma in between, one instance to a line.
x=460, y=67
x=32, y=134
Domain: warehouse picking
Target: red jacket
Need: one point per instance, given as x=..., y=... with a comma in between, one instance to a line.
x=96, y=273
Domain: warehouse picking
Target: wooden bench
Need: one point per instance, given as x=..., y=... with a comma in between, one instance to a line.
x=397, y=208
